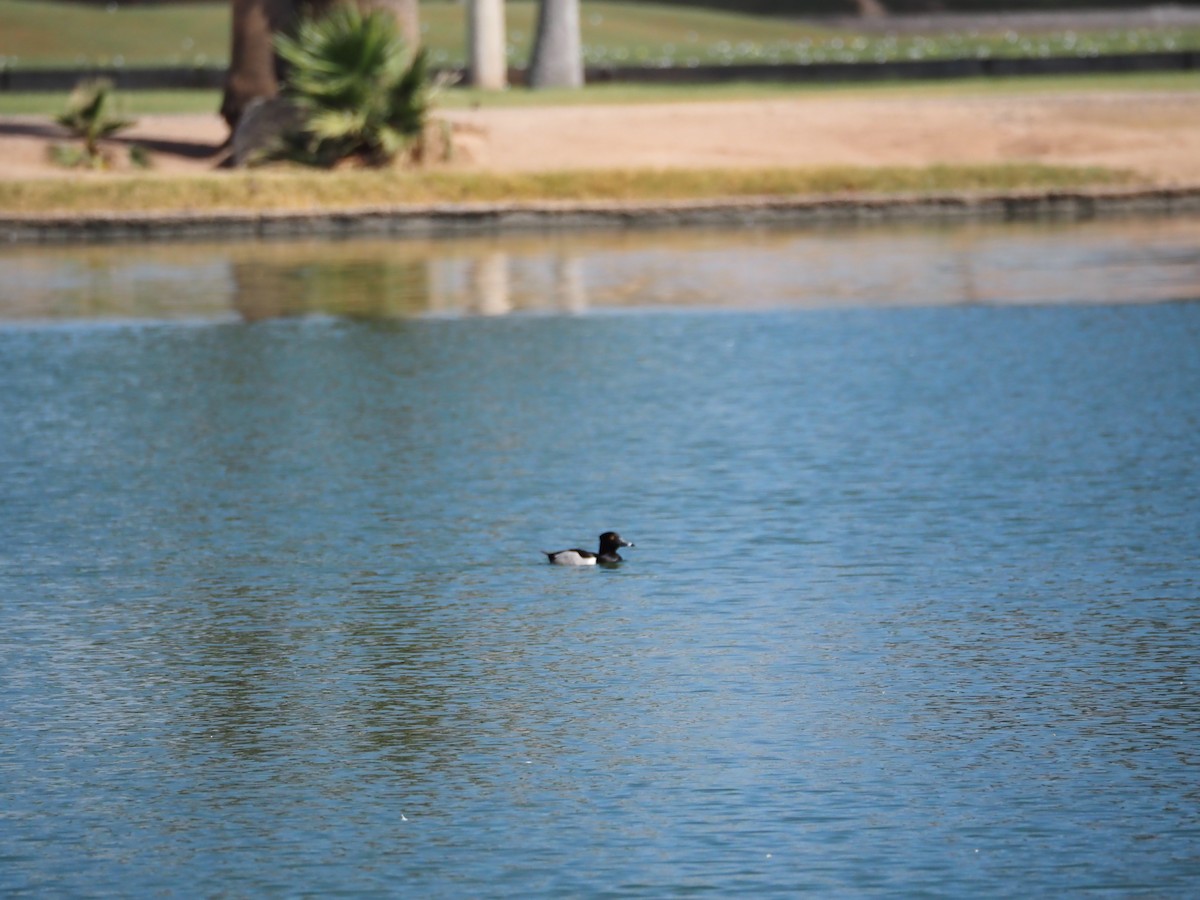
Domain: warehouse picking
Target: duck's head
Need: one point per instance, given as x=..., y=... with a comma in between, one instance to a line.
x=610, y=540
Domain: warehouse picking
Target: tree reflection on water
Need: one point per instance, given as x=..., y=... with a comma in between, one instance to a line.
x=1115, y=261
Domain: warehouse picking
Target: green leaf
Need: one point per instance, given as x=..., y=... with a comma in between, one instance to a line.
x=350, y=76
x=86, y=115
x=333, y=124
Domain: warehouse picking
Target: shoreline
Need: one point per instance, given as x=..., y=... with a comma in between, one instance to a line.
x=1151, y=136
x=447, y=220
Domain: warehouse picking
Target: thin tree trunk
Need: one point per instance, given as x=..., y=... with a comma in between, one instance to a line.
x=557, y=50
x=487, y=59
x=871, y=9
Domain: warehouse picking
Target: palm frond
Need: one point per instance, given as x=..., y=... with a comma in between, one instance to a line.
x=86, y=115
x=349, y=75
x=336, y=124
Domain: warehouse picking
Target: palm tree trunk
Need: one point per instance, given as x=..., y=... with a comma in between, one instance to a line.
x=254, y=69
x=487, y=61
x=557, y=50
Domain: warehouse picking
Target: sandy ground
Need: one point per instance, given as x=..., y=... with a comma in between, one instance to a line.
x=1156, y=134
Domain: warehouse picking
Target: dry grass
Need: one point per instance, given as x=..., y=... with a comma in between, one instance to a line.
x=307, y=190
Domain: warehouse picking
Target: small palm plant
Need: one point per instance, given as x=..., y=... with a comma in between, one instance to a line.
x=88, y=117
x=359, y=95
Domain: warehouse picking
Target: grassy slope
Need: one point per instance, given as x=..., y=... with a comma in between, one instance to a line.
x=49, y=32
x=55, y=33
x=306, y=190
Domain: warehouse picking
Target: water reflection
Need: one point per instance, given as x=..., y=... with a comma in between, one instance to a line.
x=491, y=287
x=1098, y=262
x=355, y=285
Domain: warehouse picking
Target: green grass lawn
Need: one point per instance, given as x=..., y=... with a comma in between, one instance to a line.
x=44, y=32
x=64, y=34
x=55, y=33
x=141, y=103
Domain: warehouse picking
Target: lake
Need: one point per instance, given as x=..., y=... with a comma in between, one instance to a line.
x=914, y=607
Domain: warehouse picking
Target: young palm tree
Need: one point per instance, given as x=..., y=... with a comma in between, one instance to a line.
x=87, y=117
x=358, y=93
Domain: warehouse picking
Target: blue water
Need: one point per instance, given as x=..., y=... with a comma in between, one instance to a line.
x=914, y=607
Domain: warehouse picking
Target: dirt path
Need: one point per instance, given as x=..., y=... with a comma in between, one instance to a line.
x=1157, y=134
x=1154, y=133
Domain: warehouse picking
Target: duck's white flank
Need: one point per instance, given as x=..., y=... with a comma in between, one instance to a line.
x=571, y=558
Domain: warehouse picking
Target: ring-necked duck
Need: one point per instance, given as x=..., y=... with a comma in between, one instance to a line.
x=610, y=542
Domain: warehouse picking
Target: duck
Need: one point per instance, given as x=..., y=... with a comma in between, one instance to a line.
x=610, y=542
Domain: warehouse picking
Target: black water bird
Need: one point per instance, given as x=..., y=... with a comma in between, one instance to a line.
x=610, y=543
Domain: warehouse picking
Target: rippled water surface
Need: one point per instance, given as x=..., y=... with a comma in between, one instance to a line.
x=914, y=607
